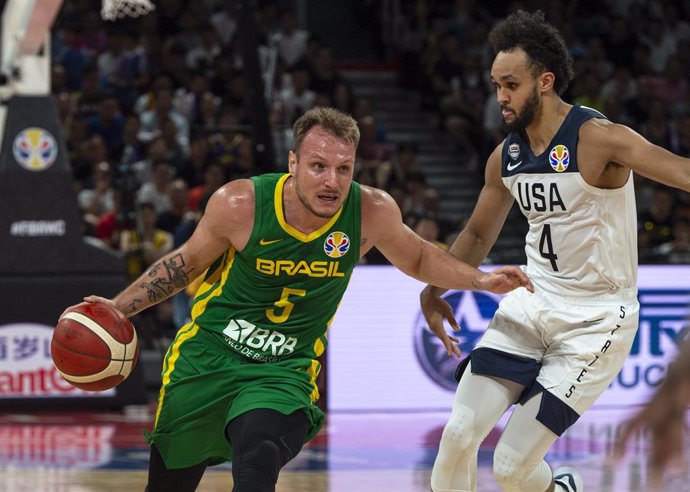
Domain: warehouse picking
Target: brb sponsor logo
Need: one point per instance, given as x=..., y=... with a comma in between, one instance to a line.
x=257, y=343
x=473, y=311
x=35, y=149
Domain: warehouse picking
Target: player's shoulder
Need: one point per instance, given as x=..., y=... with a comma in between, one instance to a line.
x=494, y=161
x=596, y=128
x=374, y=196
x=497, y=152
x=234, y=197
x=375, y=201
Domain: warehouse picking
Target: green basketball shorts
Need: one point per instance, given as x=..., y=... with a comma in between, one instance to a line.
x=205, y=385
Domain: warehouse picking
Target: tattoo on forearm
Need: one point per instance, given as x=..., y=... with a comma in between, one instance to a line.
x=362, y=242
x=166, y=277
x=133, y=306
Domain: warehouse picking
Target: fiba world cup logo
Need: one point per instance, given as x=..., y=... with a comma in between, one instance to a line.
x=559, y=158
x=35, y=149
x=336, y=244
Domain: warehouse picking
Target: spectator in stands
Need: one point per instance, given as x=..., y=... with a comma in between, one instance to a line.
x=151, y=120
x=244, y=166
x=223, y=21
x=170, y=219
x=199, y=156
x=373, y=156
x=296, y=97
x=133, y=150
x=207, y=111
x=290, y=40
x=588, y=91
x=677, y=250
x=70, y=56
x=202, y=58
x=324, y=74
x=658, y=127
x=157, y=191
x=98, y=197
x=156, y=150
x=658, y=220
x=214, y=177
x=147, y=99
x=403, y=163
x=132, y=73
x=88, y=99
x=429, y=229
x=343, y=98
x=109, y=124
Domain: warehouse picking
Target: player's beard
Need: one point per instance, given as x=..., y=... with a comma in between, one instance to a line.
x=305, y=201
x=526, y=116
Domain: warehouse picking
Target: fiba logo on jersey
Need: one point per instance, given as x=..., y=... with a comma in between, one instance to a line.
x=559, y=158
x=35, y=149
x=473, y=311
x=336, y=244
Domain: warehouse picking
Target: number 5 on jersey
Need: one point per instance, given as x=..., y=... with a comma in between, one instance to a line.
x=285, y=304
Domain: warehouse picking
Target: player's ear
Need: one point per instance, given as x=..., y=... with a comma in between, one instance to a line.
x=546, y=81
x=292, y=162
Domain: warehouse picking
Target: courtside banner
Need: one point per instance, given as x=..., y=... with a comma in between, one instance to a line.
x=382, y=356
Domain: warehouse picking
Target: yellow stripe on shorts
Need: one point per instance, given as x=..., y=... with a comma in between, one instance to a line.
x=185, y=334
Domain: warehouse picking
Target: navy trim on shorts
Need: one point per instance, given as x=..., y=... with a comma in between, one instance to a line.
x=491, y=362
x=554, y=413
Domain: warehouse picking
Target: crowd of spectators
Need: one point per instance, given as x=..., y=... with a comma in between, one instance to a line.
x=155, y=110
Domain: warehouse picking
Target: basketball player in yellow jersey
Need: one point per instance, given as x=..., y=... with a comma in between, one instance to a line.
x=239, y=383
x=553, y=353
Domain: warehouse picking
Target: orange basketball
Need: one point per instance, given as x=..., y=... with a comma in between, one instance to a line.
x=94, y=347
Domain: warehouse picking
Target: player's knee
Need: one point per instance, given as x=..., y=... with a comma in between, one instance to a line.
x=510, y=467
x=459, y=433
x=258, y=467
x=459, y=445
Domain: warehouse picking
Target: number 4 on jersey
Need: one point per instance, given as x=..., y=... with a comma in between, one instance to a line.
x=546, y=247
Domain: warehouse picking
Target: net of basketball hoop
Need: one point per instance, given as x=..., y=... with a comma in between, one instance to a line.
x=113, y=10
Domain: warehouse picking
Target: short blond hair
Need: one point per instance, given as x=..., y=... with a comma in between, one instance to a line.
x=337, y=123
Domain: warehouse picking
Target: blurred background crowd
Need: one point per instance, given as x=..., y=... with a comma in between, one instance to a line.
x=159, y=112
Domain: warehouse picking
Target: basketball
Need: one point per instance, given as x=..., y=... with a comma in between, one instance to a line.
x=94, y=347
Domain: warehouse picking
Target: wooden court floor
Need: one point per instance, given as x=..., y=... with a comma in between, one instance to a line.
x=106, y=452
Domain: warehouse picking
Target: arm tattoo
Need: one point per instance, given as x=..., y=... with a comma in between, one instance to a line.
x=132, y=307
x=165, y=278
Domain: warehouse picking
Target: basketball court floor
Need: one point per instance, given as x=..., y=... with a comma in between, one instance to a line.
x=355, y=452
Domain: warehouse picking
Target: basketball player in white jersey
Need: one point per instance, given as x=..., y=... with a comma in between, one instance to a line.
x=555, y=351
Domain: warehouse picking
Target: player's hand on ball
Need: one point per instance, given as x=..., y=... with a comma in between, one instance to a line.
x=94, y=346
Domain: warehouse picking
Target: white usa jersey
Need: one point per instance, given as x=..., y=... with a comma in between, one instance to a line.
x=582, y=240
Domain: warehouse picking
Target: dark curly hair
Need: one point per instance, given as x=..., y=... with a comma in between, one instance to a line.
x=546, y=50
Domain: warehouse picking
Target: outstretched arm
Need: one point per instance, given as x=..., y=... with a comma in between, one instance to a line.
x=226, y=222
x=619, y=144
x=383, y=227
x=472, y=245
